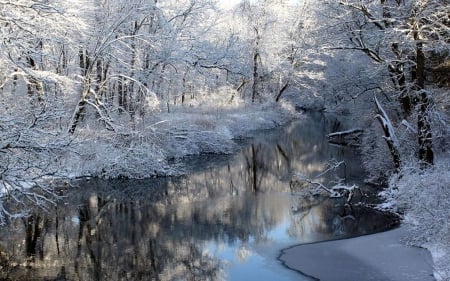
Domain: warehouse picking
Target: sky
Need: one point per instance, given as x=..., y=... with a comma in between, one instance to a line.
x=228, y=4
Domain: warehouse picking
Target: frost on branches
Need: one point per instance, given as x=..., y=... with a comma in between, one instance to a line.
x=29, y=157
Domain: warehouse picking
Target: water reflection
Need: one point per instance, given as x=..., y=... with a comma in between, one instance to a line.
x=224, y=222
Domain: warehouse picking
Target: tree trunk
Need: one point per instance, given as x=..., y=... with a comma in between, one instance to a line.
x=398, y=76
x=122, y=94
x=34, y=83
x=84, y=62
x=280, y=93
x=100, y=79
x=389, y=134
x=79, y=109
x=424, y=136
x=255, y=65
x=255, y=76
x=77, y=116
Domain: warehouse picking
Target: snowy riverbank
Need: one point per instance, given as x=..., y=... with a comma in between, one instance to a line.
x=422, y=196
x=380, y=256
x=155, y=149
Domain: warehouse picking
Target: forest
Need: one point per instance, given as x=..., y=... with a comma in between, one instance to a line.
x=127, y=88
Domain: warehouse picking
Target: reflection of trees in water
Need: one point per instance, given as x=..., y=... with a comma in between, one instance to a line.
x=268, y=164
x=110, y=240
x=307, y=217
x=302, y=148
x=100, y=237
x=255, y=167
x=106, y=234
x=34, y=225
x=317, y=218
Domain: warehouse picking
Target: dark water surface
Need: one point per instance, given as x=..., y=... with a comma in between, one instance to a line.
x=227, y=220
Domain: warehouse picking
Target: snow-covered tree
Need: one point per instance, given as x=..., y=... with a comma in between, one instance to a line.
x=36, y=36
x=269, y=31
x=404, y=39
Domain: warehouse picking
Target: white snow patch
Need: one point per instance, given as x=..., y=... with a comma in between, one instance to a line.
x=379, y=256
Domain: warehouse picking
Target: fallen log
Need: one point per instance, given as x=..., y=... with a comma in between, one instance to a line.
x=345, y=138
x=345, y=133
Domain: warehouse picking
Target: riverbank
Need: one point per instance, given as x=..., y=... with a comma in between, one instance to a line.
x=422, y=196
x=382, y=256
x=156, y=150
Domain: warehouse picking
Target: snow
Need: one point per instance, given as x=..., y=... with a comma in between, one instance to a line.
x=373, y=257
x=422, y=195
x=228, y=4
x=156, y=149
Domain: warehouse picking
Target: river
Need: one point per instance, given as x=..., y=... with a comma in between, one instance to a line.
x=227, y=219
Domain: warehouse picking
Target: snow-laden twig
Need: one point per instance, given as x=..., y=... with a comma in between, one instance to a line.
x=345, y=138
x=25, y=194
x=303, y=178
x=332, y=165
x=335, y=191
x=409, y=126
x=386, y=123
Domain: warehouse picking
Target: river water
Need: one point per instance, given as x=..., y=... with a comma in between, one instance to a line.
x=227, y=219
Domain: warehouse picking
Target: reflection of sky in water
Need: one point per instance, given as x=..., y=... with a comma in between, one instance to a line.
x=257, y=259
x=252, y=261
x=280, y=232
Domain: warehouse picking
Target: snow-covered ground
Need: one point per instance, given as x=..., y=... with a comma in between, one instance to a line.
x=166, y=137
x=374, y=257
x=422, y=195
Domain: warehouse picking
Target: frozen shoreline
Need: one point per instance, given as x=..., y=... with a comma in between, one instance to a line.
x=380, y=256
